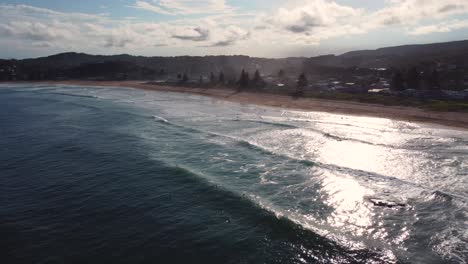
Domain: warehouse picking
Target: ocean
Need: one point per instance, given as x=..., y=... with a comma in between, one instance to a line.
x=117, y=175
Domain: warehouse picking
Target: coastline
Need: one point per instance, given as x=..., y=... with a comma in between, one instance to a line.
x=401, y=113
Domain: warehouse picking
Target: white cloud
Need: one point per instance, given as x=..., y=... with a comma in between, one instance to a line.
x=222, y=27
x=440, y=28
x=36, y=31
x=412, y=12
x=193, y=34
x=184, y=7
x=314, y=14
x=310, y=22
x=25, y=12
x=44, y=28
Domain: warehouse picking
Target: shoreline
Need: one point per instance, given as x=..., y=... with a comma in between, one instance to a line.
x=401, y=113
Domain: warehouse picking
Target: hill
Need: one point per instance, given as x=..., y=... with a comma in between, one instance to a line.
x=455, y=52
x=74, y=65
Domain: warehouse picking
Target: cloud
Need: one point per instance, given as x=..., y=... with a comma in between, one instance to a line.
x=28, y=25
x=230, y=36
x=391, y=20
x=449, y=8
x=412, y=12
x=215, y=24
x=153, y=8
x=38, y=28
x=115, y=41
x=309, y=22
x=195, y=34
x=41, y=45
x=311, y=15
x=184, y=7
x=440, y=28
x=35, y=31
x=25, y=12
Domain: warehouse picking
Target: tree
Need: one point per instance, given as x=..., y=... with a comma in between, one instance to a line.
x=212, y=78
x=413, y=78
x=221, y=78
x=185, y=78
x=397, y=81
x=258, y=80
x=244, y=79
x=302, y=83
x=434, y=80
x=281, y=73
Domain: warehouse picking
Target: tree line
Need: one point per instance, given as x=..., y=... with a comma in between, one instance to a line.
x=414, y=79
x=244, y=82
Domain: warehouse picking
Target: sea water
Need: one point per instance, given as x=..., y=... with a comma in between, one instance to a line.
x=117, y=175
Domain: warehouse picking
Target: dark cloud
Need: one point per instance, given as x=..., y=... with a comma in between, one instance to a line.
x=306, y=22
x=393, y=20
x=230, y=40
x=200, y=35
x=261, y=27
x=223, y=43
x=297, y=28
x=448, y=8
x=41, y=45
x=117, y=42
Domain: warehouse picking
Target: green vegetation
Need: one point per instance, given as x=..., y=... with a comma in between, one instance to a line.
x=448, y=106
x=433, y=105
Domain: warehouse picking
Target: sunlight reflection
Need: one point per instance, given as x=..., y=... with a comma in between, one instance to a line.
x=346, y=196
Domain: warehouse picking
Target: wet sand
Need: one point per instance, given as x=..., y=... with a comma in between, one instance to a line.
x=454, y=119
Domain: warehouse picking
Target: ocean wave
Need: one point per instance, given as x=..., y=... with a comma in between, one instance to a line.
x=159, y=118
x=256, y=209
x=266, y=123
x=325, y=134
x=365, y=177
x=76, y=95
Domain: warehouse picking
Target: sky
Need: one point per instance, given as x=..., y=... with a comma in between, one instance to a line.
x=260, y=28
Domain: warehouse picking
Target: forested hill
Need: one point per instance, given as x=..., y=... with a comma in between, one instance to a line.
x=84, y=66
x=455, y=52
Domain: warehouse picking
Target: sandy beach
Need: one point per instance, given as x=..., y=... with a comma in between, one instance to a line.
x=454, y=119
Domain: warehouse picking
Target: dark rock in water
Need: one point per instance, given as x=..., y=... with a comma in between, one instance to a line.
x=386, y=203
